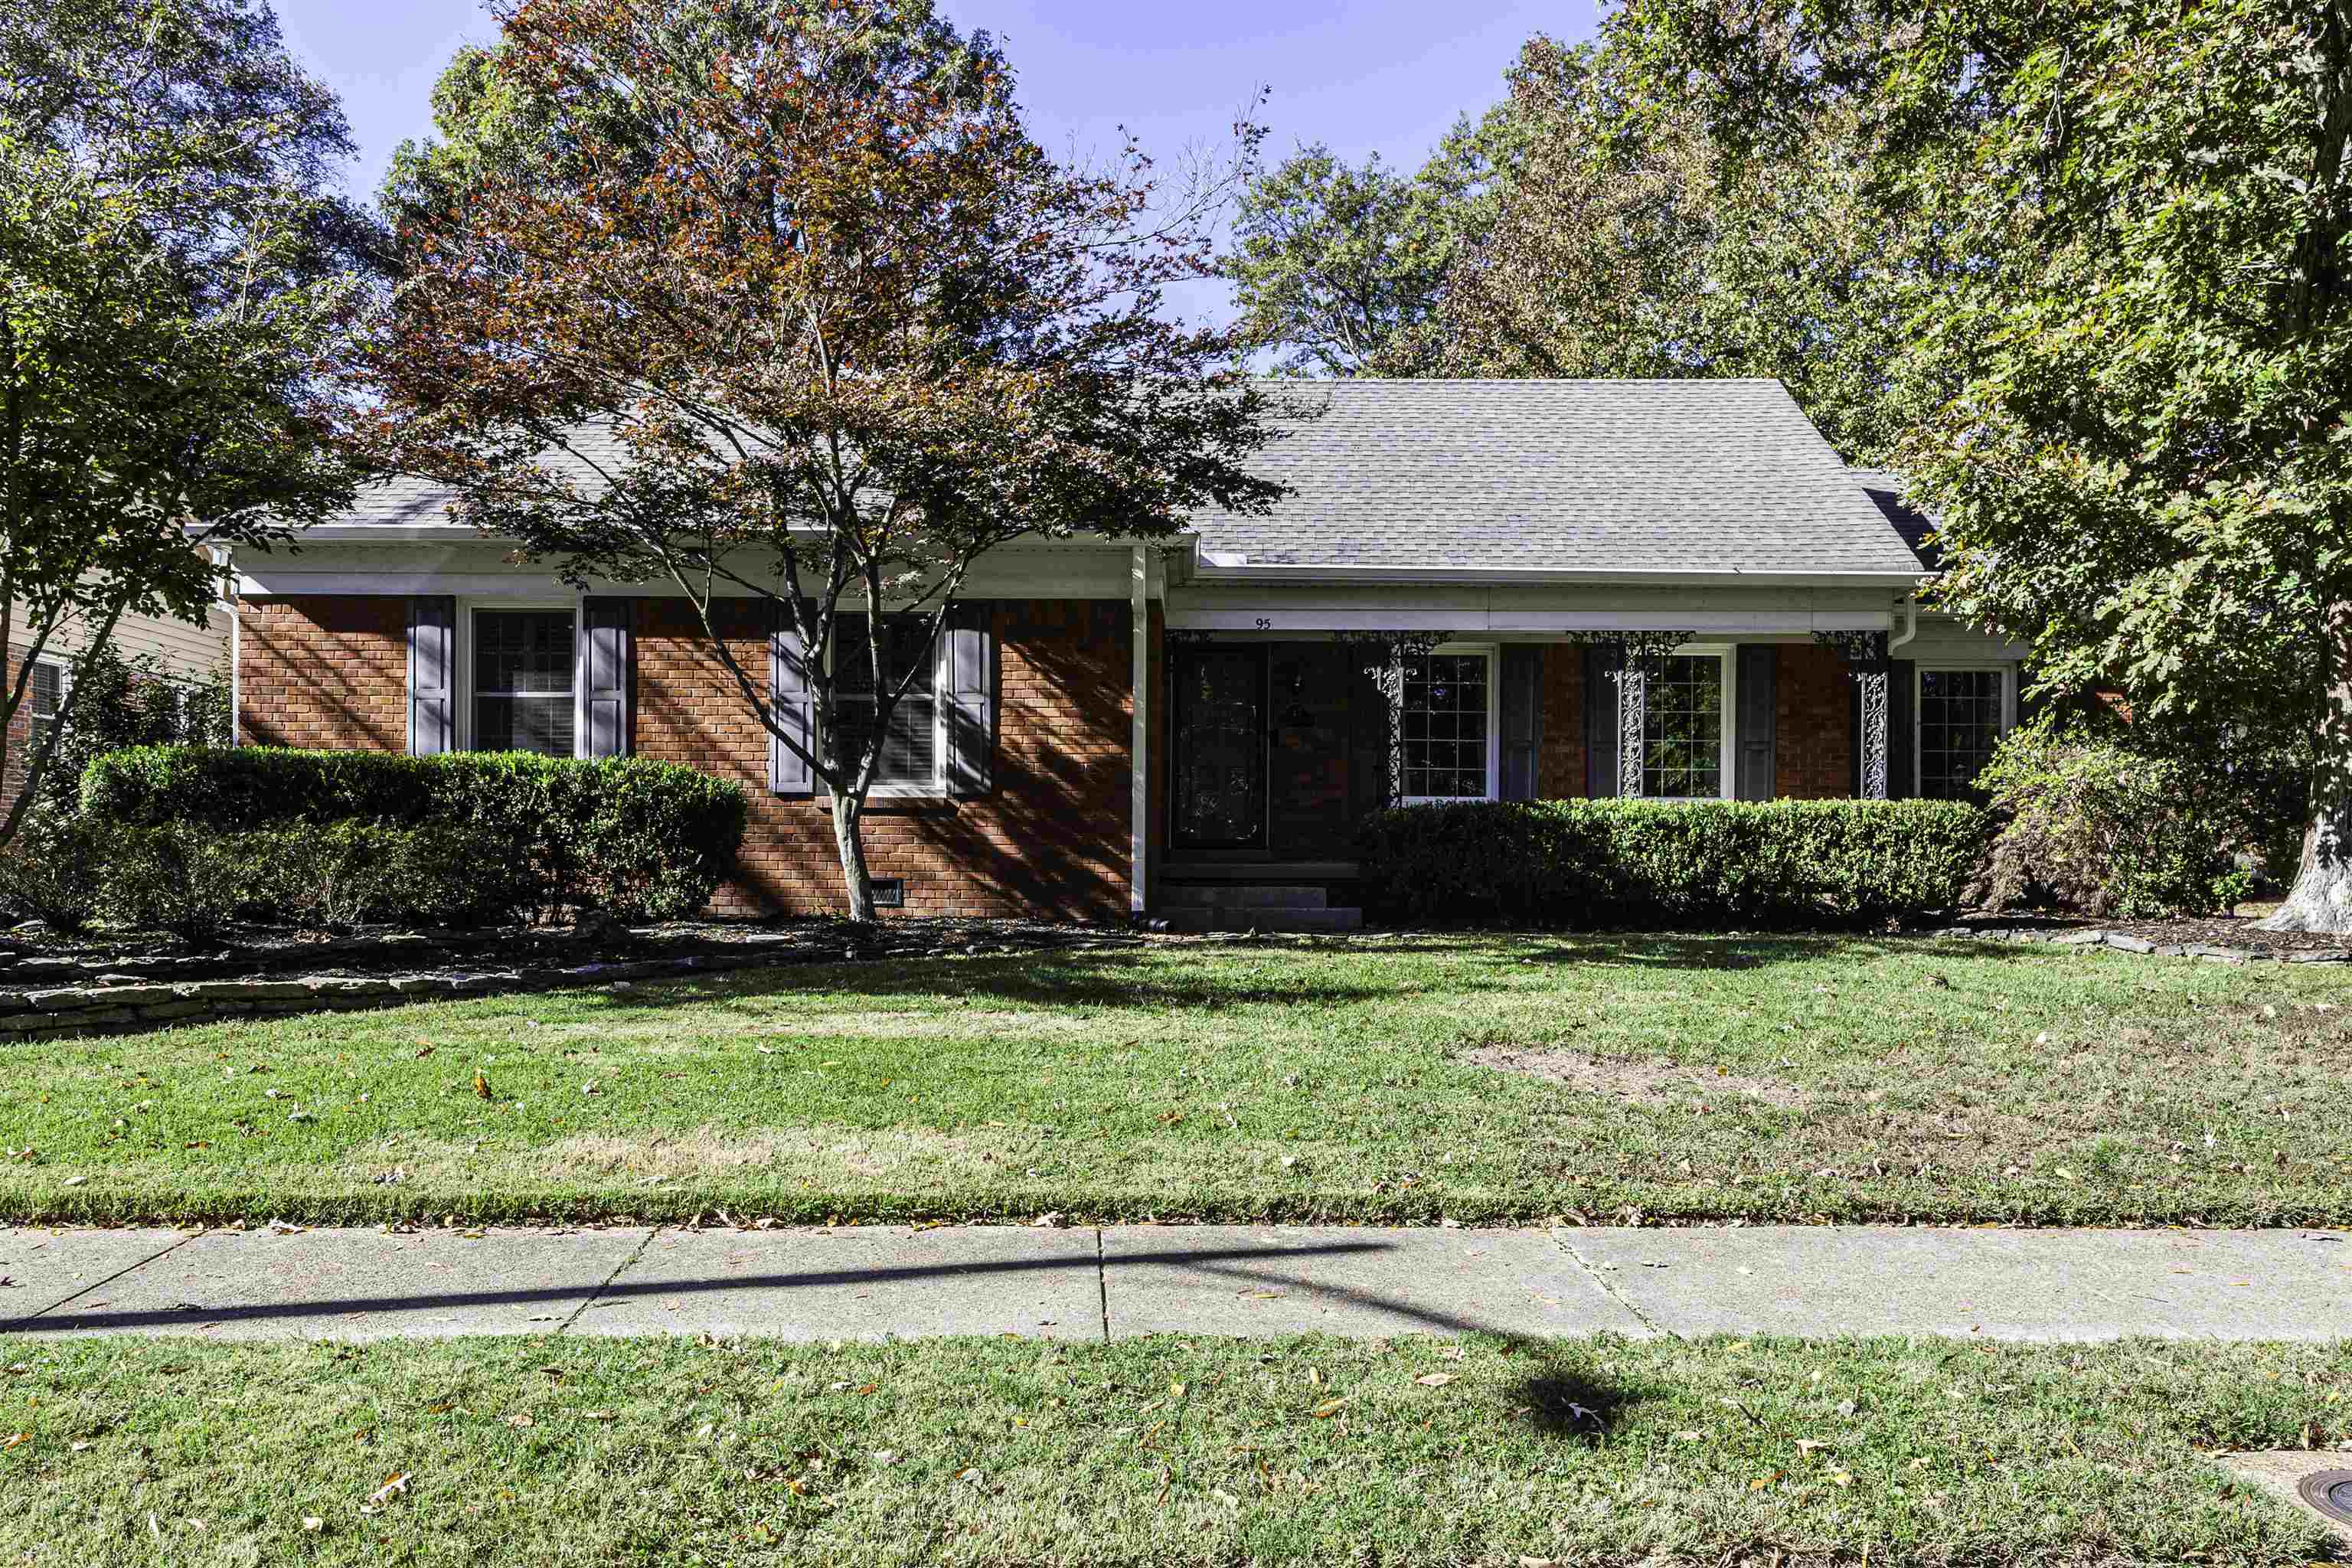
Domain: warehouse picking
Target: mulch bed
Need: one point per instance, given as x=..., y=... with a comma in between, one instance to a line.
x=2243, y=931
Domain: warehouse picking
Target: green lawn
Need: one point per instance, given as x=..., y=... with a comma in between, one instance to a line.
x=1780, y=1079
x=1158, y=1451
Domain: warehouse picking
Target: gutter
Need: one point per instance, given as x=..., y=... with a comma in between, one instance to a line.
x=1231, y=569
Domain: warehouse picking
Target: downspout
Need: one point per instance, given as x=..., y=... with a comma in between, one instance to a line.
x=1910, y=622
x=228, y=560
x=1139, y=600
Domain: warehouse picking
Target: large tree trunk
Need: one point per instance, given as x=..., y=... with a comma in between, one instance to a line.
x=2322, y=897
x=848, y=813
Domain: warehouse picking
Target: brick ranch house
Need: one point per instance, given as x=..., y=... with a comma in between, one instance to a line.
x=1513, y=590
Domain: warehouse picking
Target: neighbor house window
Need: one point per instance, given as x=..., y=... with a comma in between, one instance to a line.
x=48, y=694
x=1682, y=730
x=1961, y=714
x=1444, y=724
x=522, y=681
x=910, y=745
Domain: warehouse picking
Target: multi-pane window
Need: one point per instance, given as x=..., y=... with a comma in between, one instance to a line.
x=1682, y=730
x=1442, y=725
x=910, y=744
x=48, y=694
x=1960, y=713
x=522, y=681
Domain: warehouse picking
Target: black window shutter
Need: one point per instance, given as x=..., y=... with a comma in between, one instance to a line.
x=791, y=701
x=432, y=674
x=1902, y=724
x=607, y=627
x=1760, y=711
x=967, y=694
x=1522, y=708
x=1601, y=662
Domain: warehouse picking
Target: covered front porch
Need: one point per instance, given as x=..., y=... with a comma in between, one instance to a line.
x=1282, y=732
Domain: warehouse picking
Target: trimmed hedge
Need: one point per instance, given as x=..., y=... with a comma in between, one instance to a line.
x=1587, y=863
x=641, y=839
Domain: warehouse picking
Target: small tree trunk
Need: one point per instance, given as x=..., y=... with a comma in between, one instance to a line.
x=848, y=814
x=2321, y=900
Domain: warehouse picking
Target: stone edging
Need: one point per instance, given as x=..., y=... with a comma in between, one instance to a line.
x=2123, y=942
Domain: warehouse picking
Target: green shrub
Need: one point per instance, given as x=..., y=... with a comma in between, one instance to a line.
x=50, y=870
x=2092, y=826
x=1585, y=863
x=184, y=879
x=642, y=839
x=350, y=873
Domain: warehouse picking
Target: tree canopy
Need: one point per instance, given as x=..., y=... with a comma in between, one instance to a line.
x=2127, y=403
x=847, y=326
x=178, y=280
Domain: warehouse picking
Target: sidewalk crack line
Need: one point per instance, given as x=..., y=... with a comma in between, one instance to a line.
x=1560, y=1239
x=1102, y=1283
x=618, y=1269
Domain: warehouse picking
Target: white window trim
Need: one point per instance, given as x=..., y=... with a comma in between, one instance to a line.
x=1920, y=671
x=1492, y=652
x=462, y=635
x=1726, y=774
x=937, y=789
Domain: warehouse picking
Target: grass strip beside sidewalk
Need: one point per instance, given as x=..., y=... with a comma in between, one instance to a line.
x=1165, y=1451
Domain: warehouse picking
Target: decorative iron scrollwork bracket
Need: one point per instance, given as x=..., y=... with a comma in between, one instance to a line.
x=1872, y=671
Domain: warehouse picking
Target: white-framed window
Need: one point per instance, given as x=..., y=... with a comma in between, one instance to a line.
x=1446, y=722
x=1961, y=713
x=1687, y=729
x=913, y=748
x=47, y=695
x=523, y=663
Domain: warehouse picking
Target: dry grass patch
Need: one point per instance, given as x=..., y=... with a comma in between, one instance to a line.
x=1640, y=1082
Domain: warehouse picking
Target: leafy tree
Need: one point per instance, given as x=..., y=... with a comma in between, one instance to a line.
x=1625, y=239
x=1337, y=266
x=846, y=324
x=2128, y=408
x=1590, y=225
x=175, y=284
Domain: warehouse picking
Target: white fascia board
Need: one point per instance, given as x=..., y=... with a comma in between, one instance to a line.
x=1209, y=571
x=1536, y=623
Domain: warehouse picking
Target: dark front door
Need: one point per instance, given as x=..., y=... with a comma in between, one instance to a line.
x=1220, y=748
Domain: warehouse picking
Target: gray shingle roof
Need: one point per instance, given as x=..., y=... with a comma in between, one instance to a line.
x=1885, y=489
x=1634, y=476
x=406, y=500
x=1601, y=475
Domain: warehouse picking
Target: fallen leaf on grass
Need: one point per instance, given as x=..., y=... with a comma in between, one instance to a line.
x=1434, y=1379
x=1842, y=1479
x=314, y=1523
x=600, y=1415
x=1806, y=1446
x=389, y=1490
x=19, y=1437
x=1688, y=1437
x=519, y=1419
x=1328, y=1408
x=481, y=1084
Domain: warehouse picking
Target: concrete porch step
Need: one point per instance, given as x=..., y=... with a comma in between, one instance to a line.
x=1209, y=917
x=1246, y=895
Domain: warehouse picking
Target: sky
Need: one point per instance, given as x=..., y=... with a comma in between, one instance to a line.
x=1364, y=76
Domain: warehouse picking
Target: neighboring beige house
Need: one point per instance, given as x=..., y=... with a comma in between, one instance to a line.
x=182, y=650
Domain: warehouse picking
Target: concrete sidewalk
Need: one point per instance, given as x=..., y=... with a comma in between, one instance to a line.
x=1116, y=1282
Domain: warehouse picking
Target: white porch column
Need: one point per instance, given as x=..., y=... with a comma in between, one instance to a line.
x=1139, y=599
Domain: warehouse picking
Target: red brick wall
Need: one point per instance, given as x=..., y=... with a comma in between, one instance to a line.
x=20, y=734
x=1813, y=747
x=329, y=673
x=1051, y=838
